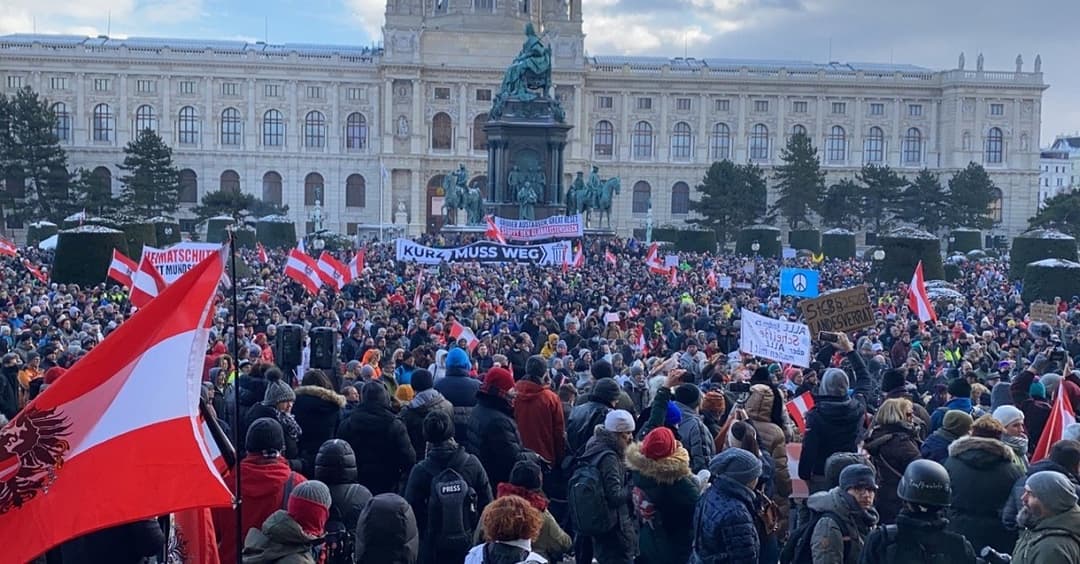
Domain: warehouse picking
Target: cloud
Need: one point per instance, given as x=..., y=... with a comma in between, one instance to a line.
x=92, y=17
x=370, y=15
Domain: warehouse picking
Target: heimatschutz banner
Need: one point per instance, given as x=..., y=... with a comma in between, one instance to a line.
x=554, y=227
x=547, y=254
x=174, y=261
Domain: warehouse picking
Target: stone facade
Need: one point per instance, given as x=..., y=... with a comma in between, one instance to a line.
x=414, y=108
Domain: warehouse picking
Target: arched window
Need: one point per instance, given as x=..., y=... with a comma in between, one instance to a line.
x=103, y=123
x=273, y=129
x=995, y=209
x=271, y=188
x=836, y=145
x=642, y=195
x=230, y=181
x=62, y=127
x=442, y=132
x=189, y=187
x=680, y=198
x=797, y=129
x=231, y=127
x=479, y=136
x=995, y=146
x=720, y=142
x=874, y=146
x=103, y=177
x=681, y=141
x=642, y=140
x=313, y=189
x=188, y=129
x=314, y=130
x=355, y=188
x=356, y=131
x=912, y=147
x=603, y=139
x=759, y=143
x=145, y=119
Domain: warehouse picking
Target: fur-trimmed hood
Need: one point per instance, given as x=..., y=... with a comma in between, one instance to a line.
x=321, y=393
x=665, y=471
x=980, y=451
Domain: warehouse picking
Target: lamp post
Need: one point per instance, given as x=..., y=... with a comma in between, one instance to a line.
x=879, y=255
x=755, y=246
x=648, y=223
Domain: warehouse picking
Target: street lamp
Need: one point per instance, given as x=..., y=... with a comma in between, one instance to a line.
x=755, y=246
x=318, y=244
x=879, y=255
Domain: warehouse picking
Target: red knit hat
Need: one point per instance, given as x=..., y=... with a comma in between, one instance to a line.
x=53, y=374
x=498, y=381
x=659, y=443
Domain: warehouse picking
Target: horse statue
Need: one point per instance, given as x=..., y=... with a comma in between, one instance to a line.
x=453, y=198
x=608, y=189
x=473, y=204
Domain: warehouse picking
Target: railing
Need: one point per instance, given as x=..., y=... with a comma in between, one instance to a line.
x=120, y=50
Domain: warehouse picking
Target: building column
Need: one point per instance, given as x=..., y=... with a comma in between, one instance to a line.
x=856, y=147
x=933, y=159
x=626, y=149
x=662, y=149
x=419, y=130
x=701, y=140
x=251, y=124
x=80, y=121
x=463, y=146
x=897, y=135
x=386, y=132
x=579, y=134
x=739, y=142
x=124, y=127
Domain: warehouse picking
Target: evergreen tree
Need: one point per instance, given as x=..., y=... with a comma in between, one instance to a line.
x=800, y=182
x=151, y=185
x=970, y=194
x=924, y=202
x=881, y=195
x=1062, y=212
x=731, y=197
x=28, y=145
x=93, y=195
x=235, y=205
x=842, y=205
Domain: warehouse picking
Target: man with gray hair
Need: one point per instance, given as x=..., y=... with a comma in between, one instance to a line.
x=1050, y=521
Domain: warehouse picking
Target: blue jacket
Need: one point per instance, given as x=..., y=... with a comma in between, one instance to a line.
x=938, y=417
x=724, y=531
x=936, y=446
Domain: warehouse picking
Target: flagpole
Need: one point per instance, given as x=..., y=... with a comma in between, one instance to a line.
x=236, y=395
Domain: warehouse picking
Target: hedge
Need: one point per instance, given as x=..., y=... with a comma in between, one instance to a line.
x=952, y=272
x=687, y=240
x=1049, y=278
x=167, y=231
x=964, y=240
x=138, y=235
x=767, y=236
x=1039, y=244
x=245, y=237
x=838, y=243
x=275, y=232
x=216, y=229
x=83, y=254
x=904, y=248
x=809, y=239
x=39, y=231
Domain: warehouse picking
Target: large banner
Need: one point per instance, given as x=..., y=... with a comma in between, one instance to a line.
x=782, y=341
x=173, y=262
x=547, y=254
x=554, y=227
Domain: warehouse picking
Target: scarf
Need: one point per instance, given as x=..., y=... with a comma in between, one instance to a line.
x=288, y=424
x=1019, y=445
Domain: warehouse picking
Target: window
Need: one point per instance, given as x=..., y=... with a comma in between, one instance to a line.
x=271, y=188
x=188, y=130
x=680, y=198
x=799, y=107
x=605, y=102
x=798, y=129
x=103, y=123
x=485, y=5
x=642, y=140
x=912, y=147
x=14, y=81
x=313, y=187
x=315, y=130
x=229, y=88
x=877, y=109
x=839, y=108
x=273, y=129
x=761, y=106
x=997, y=109
x=479, y=136
x=230, y=182
x=354, y=191
x=187, y=86
x=230, y=126
x=144, y=86
x=874, y=146
x=354, y=94
x=723, y=105
x=995, y=209
x=682, y=104
x=189, y=187
x=272, y=90
x=604, y=139
x=356, y=132
x=103, y=177
x=681, y=141
x=720, y=142
x=442, y=93
x=995, y=146
x=483, y=94
x=442, y=132
x=145, y=119
x=58, y=83
x=759, y=143
x=62, y=126
x=315, y=92
x=836, y=145
x=644, y=103
x=1059, y=181
x=101, y=85
x=642, y=196
x=914, y=110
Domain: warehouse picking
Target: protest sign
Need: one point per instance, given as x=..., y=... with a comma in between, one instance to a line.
x=782, y=341
x=724, y=282
x=841, y=311
x=547, y=254
x=1044, y=312
x=174, y=261
x=554, y=227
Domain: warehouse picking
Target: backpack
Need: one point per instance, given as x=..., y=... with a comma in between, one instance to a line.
x=501, y=553
x=798, y=548
x=452, y=512
x=917, y=552
x=589, y=508
x=340, y=540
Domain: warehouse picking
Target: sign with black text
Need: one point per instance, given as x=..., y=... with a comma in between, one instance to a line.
x=547, y=254
x=841, y=312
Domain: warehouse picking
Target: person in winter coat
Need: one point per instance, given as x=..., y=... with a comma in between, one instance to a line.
x=317, y=410
x=955, y=425
x=982, y=470
x=1015, y=436
x=586, y=416
x=539, y=413
x=1050, y=520
x=723, y=527
x=386, y=532
x=1030, y=397
x=130, y=543
x=493, y=434
x=426, y=400
x=892, y=446
x=380, y=441
x=664, y=495
x=335, y=466
x=770, y=438
x=459, y=389
x=510, y=524
x=252, y=391
x=277, y=404
x=848, y=517
x=607, y=451
x=288, y=535
x=693, y=433
x=1064, y=458
x=959, y=394
x=9, y=386
x=895, y=386
x=526, y=482
x=442, y=452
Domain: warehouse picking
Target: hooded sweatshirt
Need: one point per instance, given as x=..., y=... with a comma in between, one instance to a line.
x=262, y=491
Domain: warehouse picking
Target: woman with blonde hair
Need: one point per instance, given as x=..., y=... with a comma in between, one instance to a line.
x=892, y=445
x=510, y=524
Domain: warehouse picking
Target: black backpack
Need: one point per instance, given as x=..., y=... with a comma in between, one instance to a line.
x=798, y=548
x=912, y=551
x=589, y=508
x=452, y=512
x=340, y=540
x=501, y=553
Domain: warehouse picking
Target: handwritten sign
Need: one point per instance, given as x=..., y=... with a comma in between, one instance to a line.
x=782, y=341
x=1044, y=312
x=840, y=312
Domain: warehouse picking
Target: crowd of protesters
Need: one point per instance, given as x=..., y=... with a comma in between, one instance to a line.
x=605, y=413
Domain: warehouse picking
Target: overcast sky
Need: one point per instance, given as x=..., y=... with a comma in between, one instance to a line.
x=930, y=33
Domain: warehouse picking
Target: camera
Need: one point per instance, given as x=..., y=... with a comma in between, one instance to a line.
x=990, y=556
x=741, y=391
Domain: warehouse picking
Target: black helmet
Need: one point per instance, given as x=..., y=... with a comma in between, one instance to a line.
x=925, y=482
x=335, y=463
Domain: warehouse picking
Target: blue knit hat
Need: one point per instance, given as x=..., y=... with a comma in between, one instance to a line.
x=737, y=464
x=458, y=357
x=673, y=416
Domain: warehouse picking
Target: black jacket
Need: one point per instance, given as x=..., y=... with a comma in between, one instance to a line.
x=318, y=412
x=381, y=443
x=335, y=466
x=583, y=420
x=493, y=436
x=918, y=538
x=460, y=390
x=386, y=532
x=621, y=543
x=292, y=445
x=350, y=349
x=835, y=424
x=9, y=392
x=129, y=543
x=414, y=412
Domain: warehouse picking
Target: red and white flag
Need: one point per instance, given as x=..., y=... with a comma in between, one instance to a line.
x=799, y=407
x=118, y=437
x=674, y=276
x=356, y=265
x=418, y=297
x=7, y=248
x=493, y=231
x=333, y=272
x=711, y=279
x=654, y=262
x=918, y=300
x=459, y=332
x=263, y=257
x=303, y=269
x=610, y=257
x=146, y=283
x=35, y=272
x=122, y=268
x=1061, y=416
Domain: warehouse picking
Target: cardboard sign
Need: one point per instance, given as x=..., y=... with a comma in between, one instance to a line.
x=774, y=339
x=1044, y=312
x=840, y=312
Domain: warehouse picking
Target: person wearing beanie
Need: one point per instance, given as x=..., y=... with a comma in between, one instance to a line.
x=457, y=357
x=660, y=471
x=724, y=528
x=1050, y=521
x=1001, y=395
x=335, y=466
x=526, y=482
x=588, y=414
x=442, y=453
x=267, y=476
x=844, y=516
x=955, y=425
x=895, y=386
x=606, y=451
x=384, y=453
x=1024, y=393
x=317, y=411
x=959, y=398
x=288, y=534
x=426, y=400
x=539, y=413
x=492, y=433
x=386, y=532
x=1015, y=435
x=460, y=389
x=693, y=433
x=1064, y=457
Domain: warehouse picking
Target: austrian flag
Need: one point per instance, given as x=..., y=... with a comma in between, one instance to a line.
x=122, y=268
x=333, y=273
x=303, y=269
x=7, y=248
x=146, y=283
x=799, y=407
x=918, y=299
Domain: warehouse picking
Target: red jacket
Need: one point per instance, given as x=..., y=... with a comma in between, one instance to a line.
x=539, y=415
x=263, y=489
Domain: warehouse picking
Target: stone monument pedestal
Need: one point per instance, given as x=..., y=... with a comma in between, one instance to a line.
x=527, y=138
